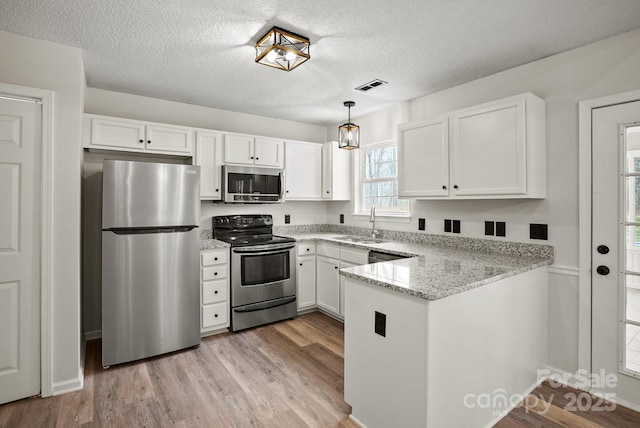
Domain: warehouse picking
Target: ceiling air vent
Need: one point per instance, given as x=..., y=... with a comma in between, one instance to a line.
x=371, y=85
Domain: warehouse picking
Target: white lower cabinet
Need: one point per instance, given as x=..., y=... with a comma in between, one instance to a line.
x=306, y=275
x=214, y=290
x=329, y=282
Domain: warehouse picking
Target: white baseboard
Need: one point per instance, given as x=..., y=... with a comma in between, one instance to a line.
x=92, y=335
x=508, y=410
x=68, y=385
x=617, y=400
x=356, y=421
x=559, y=376
x=564, y=270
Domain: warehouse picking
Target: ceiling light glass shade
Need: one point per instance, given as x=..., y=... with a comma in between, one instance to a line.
x=349, y=136
x=349, y=133
x=282, y=49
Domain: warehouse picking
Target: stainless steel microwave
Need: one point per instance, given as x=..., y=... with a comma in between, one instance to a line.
x=252, y=185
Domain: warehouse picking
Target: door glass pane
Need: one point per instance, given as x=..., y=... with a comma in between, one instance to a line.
x=632, y=199
x=632, y=348
x=632, y=138
x=633, y=298
x=632, y=251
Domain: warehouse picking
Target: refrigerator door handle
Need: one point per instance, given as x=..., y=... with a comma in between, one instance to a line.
x=143, y=230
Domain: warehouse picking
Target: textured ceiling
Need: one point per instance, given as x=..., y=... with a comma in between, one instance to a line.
x=201, y=51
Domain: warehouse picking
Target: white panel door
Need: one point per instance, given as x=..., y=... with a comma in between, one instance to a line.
x=615, y=318
x=169, y=139
x=20, y=136
x=303, y=170
x=238, y=149
x=328, y=284
x=269, y=152
x=122, y=134
x=489, y=150
x=209, y=158
x=423, y=158
x=306, y=282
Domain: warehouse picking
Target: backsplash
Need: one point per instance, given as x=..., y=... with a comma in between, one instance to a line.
x=470, y=244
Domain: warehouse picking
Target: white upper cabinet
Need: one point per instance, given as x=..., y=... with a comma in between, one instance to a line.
x=250, y=150
x=209, y=158
x=491, y=151
x=269, y=152
x=336, y=172
x=423, y=156
x=303, y=170
x=108, y=133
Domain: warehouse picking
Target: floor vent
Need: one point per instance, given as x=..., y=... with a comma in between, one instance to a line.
x=371, y=85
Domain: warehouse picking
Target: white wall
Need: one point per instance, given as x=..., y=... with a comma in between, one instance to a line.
x=45, y=65
x=603, y=68
x=118, y=104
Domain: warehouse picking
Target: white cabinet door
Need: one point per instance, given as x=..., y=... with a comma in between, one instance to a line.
x=423, y=158
x=328, y=284
x=327, y=167
x=269, y=152
x=306, y=275
x=336, y=172
x=488, y=150
x=208, y=158
x=303, y=170
x=342, y=281
x=120, y=134
x=169, y=139
x=238, y=149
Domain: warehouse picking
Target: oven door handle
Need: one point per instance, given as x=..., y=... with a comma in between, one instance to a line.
x=265, y=305
x=266, y=249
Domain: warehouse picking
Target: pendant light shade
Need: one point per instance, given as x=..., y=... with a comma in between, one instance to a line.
x=282, y=49
x=349, y=133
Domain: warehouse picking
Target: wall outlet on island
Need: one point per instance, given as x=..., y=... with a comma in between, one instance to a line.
x=287, y=219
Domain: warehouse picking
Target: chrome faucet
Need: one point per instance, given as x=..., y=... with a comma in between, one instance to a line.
x=372, y=220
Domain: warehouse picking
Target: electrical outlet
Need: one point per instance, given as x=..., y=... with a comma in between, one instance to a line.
x=489, y=228
x=447, y=225
x=421, y=224
x=341, y=218
x=380, y=324
x=501, y=228
x=456, y=226
x=538, y=231
x=287, y=219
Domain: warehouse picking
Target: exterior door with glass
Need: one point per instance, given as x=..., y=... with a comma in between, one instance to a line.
x=615, y=251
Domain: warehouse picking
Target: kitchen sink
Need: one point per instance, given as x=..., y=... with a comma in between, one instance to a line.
x=359, y=239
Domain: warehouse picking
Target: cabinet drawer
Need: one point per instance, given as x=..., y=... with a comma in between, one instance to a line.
x=214, y=272
x=214, y=315
x=304, y=249
x=357, y=257
x=215, y=291
x=330, y=251
x=215, y=257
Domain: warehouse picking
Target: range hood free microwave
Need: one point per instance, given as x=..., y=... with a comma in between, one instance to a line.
x=252, y=185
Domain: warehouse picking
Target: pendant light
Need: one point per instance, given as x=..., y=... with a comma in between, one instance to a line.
x=349, y=133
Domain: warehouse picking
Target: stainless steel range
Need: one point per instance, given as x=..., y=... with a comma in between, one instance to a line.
x=263, y=274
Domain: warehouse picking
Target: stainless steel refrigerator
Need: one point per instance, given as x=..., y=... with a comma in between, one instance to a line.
x=150, y=259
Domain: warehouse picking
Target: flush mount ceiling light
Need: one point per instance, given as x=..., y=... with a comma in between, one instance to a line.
x=349, y=133
x=282, y=49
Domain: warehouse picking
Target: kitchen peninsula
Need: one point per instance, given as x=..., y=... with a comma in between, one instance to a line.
x=429, y=339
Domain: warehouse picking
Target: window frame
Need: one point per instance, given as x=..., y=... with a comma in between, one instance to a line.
x=361, y=180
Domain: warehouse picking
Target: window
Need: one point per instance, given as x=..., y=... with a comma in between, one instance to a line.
x=379, y=180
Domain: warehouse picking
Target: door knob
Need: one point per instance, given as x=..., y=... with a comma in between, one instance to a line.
x=603, y=249
x=603, y=270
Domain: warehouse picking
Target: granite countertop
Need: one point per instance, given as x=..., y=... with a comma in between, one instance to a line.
x=210, y=244
x=434, y=272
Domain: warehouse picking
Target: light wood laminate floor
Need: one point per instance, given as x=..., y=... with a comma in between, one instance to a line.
x=288, y=374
